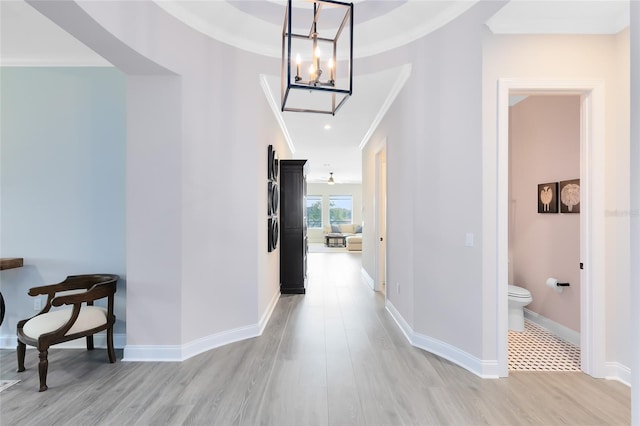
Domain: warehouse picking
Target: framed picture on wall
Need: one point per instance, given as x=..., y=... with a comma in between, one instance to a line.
x=548, y=197
x=570, y=196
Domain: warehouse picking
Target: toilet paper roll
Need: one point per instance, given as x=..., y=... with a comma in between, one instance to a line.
x=553, y=283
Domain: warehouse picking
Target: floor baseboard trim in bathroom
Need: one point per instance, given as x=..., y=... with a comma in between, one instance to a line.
x=565, y=333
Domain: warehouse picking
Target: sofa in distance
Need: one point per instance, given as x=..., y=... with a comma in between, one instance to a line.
x=352, y=232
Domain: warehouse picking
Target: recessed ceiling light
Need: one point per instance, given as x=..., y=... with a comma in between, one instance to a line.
x=327, y=126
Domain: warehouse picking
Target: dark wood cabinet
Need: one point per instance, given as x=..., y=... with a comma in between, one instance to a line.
x=293, y=226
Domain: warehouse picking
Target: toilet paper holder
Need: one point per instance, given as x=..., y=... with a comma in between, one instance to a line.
x=555, y=284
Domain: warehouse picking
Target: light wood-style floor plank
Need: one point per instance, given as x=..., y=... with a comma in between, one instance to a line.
x=331, y=357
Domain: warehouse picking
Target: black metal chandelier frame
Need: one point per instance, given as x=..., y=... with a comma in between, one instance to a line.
x=315, y=83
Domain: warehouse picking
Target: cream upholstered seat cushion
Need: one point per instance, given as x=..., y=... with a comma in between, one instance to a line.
x=354, y=242
x=89, y=317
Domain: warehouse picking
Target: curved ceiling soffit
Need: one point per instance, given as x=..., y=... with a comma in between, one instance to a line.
x=81, y=24
x=229, y=24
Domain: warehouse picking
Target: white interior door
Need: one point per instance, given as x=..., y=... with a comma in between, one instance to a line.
x=381, y=221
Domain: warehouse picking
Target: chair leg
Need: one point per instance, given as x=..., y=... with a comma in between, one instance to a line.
x=42, y=369
x=90, y=343
x=110, y=349
x=20, y=351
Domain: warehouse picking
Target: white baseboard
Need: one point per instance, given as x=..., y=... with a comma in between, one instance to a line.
x=269, y=311
x=178, y=353
x=619, y=372
x=99, y=341
x=367, y=279
x=487, y=369
x=564, y=333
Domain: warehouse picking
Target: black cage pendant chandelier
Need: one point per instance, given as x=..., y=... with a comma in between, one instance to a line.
x=316, y=65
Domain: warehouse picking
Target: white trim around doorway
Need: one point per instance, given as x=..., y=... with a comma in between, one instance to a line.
x=592, y=220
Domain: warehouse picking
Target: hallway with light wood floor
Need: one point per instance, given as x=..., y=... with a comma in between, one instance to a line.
x=331, y=357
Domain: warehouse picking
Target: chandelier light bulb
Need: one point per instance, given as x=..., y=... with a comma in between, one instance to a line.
x=298, y=62
x=331, y=69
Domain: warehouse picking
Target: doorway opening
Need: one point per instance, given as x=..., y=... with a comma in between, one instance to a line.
x=380, y=212
x=592, y=256
x=544, y=232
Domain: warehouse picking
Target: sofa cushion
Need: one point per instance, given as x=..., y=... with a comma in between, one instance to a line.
x=347, y=228
x=354, y=242
x=335, y=228
x=89, y=317
x=359, y=229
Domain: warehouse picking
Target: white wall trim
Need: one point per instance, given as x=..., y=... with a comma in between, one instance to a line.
x=619, y=372
x=592, y=221
x=156, y=353
x=564, y=333
x=177, y=353
x=403, y=76
x=275, y=108
x=8, y=341
x=367, y=278
x=266, y=316
x=487, y=369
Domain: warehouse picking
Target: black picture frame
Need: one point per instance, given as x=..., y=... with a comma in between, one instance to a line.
x=547, y=197
x=273, y=230
x=270, y=154
x=570, y=196
x=273, y=199
x=273, y=195
x=274, y=166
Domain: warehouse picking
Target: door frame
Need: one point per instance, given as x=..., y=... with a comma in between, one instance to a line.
x=380, y=218
x=592, y=214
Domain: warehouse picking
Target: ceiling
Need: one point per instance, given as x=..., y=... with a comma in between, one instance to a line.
x=330, y=143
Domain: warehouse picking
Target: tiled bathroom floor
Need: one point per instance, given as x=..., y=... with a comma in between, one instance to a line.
x=535, y=349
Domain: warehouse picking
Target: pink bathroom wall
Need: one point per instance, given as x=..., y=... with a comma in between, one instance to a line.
x=545, y=147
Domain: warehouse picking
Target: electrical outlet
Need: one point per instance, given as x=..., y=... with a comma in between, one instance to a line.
x=37, y=304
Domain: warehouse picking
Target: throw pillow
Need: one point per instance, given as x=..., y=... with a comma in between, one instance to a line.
x=335, y=229
x=359, y=229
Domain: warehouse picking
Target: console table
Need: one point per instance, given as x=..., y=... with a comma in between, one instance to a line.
x=8, y=263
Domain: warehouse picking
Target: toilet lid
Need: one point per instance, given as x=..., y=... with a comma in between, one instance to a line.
x=515, y=291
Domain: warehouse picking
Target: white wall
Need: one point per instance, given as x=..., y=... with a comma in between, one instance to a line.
x=200, y=259
x=324, y=190
x=570, y=58
x=63, y=182
x=434, y=194
x=435, y=133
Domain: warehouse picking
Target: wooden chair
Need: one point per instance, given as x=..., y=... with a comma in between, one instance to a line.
x=82, y=319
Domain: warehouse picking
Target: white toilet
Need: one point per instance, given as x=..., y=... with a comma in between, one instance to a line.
x=518, y=298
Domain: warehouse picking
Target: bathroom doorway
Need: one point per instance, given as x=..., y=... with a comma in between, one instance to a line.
x=544, y=239
x=592, y=242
